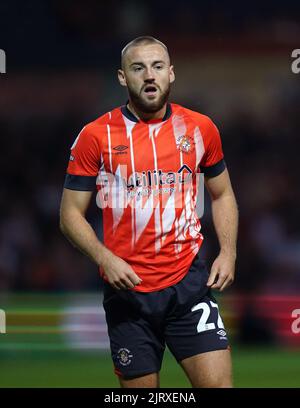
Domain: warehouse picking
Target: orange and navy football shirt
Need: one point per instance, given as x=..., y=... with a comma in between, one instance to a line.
x=145, y=174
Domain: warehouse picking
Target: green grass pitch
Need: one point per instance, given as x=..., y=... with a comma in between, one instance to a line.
x=34, y=353
x=252, y=368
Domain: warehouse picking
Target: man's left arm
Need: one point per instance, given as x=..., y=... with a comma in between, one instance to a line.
x=225, y=219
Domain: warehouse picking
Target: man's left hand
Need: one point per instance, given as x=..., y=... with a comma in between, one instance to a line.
x=222, y=272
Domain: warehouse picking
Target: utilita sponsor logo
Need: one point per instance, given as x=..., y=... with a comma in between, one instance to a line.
x=151, y=188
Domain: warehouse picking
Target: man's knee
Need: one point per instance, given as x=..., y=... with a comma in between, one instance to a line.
x=222, y=382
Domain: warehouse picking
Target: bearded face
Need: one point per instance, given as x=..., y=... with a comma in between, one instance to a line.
x=148, y=75
x=151, y=98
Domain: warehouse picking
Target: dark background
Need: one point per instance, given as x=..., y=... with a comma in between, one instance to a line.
x=233, y=63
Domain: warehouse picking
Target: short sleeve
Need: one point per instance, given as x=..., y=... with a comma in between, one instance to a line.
x=84, y=161
x=212, y=163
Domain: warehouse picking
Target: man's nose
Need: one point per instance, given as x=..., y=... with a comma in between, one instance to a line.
x=149, y=75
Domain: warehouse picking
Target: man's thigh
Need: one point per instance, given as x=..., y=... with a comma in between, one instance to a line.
x=137, y=346
x=198, y=338
x=209, y=370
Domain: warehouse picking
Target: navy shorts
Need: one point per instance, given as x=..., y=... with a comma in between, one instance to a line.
x=185, y=317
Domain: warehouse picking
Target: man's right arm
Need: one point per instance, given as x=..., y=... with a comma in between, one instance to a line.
x=75, y=227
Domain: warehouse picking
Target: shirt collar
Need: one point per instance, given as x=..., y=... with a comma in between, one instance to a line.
x=129, y=115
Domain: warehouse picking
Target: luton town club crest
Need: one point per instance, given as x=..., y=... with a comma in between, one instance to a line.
x=124, y=356
x=185, y=143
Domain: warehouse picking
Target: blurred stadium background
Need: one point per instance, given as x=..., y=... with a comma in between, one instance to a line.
x=233, y=63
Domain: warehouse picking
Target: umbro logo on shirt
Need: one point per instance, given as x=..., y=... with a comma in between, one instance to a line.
x=120, y=149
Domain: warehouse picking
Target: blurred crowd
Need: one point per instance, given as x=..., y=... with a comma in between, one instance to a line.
x=84, y=34
x=262, y=153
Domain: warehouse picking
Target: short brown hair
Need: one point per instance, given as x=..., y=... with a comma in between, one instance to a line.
x=143, y=40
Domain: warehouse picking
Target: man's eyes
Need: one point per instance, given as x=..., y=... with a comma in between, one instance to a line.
x=158, y=67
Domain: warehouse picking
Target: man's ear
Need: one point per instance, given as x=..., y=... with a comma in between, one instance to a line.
x=121, y=77
x=172, y=74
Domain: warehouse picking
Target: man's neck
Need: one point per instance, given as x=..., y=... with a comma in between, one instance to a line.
x=147, y=116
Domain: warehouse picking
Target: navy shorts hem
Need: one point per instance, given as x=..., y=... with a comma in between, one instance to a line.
x=203, y=350
x=136, y=374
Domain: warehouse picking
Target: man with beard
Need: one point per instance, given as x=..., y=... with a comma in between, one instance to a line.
x=144, y=158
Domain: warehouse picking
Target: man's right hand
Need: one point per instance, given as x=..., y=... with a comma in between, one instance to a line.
x=119, y=273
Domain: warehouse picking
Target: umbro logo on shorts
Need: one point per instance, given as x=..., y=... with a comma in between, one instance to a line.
x=222, y=334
